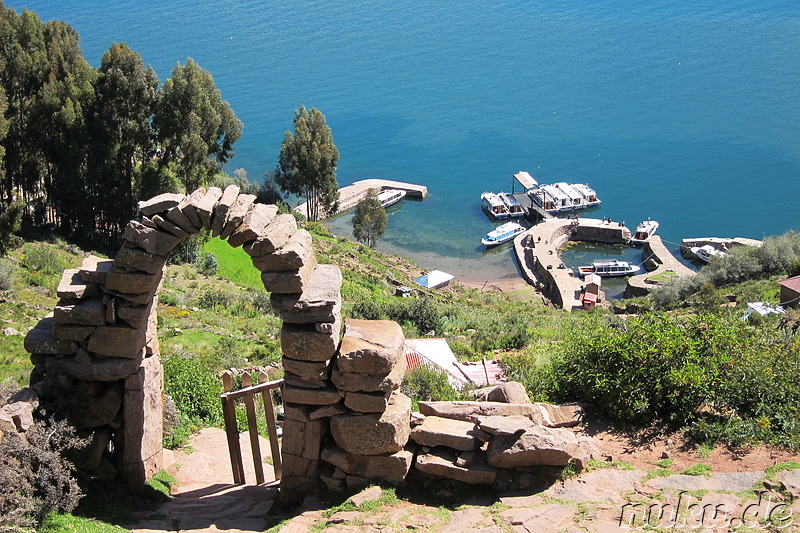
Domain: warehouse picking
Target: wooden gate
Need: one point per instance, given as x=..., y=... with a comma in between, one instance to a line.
x=248, y=394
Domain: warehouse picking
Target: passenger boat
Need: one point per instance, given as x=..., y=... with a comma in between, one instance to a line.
x=705, y=253
x=390, y=197
x=589, y=194
x=577, y=200
x=544, y=200
x=515, y=210
x=501, y=234
x=644, y=231
x=562, y=201
x=608, y=268
x=493, y=205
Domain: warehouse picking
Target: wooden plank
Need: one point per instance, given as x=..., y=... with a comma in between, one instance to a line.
x=272, y=429
x=252, y=427
x=253, y=389
x=231, y=430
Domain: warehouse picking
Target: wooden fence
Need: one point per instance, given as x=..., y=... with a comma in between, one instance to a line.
x=248, y=394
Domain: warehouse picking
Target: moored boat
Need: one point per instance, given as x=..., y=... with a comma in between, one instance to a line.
x=706, y=253
x=589, y=194
x=577, y=201
x=502, y=233
x=493, y=205
x=609, y=268
x=644, y=231
x=391, y=197
x=515, y=209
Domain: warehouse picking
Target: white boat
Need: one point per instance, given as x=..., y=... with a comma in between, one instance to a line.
x=644, y=231
x=390, y=197
x=501, y=234
x=589, y=194
x=515, y=209
x=562, y=201
x=493, y=205
x=608, y=268
x=705, y=253
x=577, y=200
x=544, y=200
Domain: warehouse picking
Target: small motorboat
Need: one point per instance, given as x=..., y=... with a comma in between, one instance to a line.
x=515, y=209
x=501, y=234
x=706, y=253
x=644, y=231
x=609, y=268
x=391, y=197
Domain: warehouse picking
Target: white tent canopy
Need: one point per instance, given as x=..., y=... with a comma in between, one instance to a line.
x=434, y=279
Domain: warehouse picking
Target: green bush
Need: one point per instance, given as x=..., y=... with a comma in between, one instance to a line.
x=207, y=264
x=194, y=388
x=7, y=274
x=43, y=259
x=212, y=298
x=426, y=384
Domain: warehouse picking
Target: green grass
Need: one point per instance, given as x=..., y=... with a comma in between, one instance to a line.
x=234, y=264
x=699, y=469
x=58, y=523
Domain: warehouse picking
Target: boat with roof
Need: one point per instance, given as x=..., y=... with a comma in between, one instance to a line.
x=494, y=206
x=589, y=194
x=577, y=201
x=706, y=253
x=391, y=197
x=644, y=231
x=515, y=209
x=502, y=233
x=607, y=268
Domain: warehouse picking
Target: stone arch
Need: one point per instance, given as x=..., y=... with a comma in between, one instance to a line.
x=102, y=333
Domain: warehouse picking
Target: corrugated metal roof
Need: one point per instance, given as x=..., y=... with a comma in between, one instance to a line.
x=436, y=352
x=792, y=283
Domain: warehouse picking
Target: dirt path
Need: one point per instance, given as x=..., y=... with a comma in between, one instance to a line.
x=601, y=500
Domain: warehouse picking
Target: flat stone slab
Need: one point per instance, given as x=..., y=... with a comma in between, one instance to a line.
x=441, y=463
x=549, y=517
x=470, y=411
x=375, y=434
x=735, y=482
x=370, y=346
x=319, y=302
x=437, y=431
x=509, y=392
x=391, y=467
x=604, y=485
x=538, y=445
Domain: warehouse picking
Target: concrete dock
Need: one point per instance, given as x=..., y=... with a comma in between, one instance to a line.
x=656, y=259
x=350, y=195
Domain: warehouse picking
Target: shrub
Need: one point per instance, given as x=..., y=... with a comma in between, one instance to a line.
x=427, y=384
x=208, y=264
x=7, y=274
x=189, y=249
x=212, y=298
x=36, y=479
x=194, y=388
x=42, y=258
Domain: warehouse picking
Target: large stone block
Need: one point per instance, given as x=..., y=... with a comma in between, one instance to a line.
x=273, y=236
x=205, y=207
x=538, y=445
x=97, y=408
x=367, y=402
x=304, y=439
x=370, y=346
x=509, y=392
x=118, y=341
x=105, y=370
x=84, y=313
x=94, y=269
x=442, y=463
x=67, y=332
x=361, y=382
x=226, y=201
x=41, y=340
x=170, y=227
x=437, y=431
x=470, y=411
x=253, y=224
x=144, y=411
x=137, y=259
x=151, y=240
x=189, y=207
x=159, y=203
x=320, y=302
x=392, y=467
x=132, y=282
x=289, y=281
x=304, y=342
x=307, y=396
x=318, y=370
x=291, y=256
x=176, y=216
x=237, y=212
x=293, y=380
x=72, y=286
x=375, y=434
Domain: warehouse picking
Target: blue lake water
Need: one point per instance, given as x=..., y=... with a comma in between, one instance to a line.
x=689, y=114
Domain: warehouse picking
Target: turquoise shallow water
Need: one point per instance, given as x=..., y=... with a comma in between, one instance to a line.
x=686, y=114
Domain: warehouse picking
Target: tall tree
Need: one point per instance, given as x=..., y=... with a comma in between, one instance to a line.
x=307, y=163
x=122, y=136
x=196, y=128
x=369, y=220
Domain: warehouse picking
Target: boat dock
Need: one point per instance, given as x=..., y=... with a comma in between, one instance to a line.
x=351, y=194
x=657, y=260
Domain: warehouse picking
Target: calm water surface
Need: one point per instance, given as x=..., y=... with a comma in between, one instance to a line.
x=686, y=114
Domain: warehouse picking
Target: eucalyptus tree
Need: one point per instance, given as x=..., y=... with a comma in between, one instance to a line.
x=123, y=140
x=196, y=129
x=369, y=220
x=307, y=163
